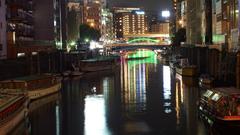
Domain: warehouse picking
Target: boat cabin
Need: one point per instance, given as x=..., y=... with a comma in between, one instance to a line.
x=221, y=103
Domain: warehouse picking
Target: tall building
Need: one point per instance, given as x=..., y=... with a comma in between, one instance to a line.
x=107, y=25
x=118, y=14
x=180, y=14
x=135, y=23
x=92, y=13
x=52, y=29
x=234, y=25
x=226, y=23
x=3, y=36
x=75, y=19
x=194, y=21
x=20, y=29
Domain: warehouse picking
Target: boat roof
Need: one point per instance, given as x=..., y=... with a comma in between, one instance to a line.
x=6, y=99
x=28, y=78
x=227, y=90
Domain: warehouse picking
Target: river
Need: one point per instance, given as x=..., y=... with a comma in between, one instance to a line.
x=139, y=97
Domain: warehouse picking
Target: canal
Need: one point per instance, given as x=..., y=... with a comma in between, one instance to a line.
x=139, y=97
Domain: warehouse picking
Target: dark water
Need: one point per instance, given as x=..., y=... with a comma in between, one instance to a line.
x=139, y=97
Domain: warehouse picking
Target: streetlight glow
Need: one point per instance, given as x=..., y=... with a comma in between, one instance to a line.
x=166, y=13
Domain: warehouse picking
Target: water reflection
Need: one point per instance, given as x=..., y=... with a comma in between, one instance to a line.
x=141, y=97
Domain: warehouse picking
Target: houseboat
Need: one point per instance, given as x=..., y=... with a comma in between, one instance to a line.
x=13, y=109
x=36, y=86
x=220, y=107
x=93, y=65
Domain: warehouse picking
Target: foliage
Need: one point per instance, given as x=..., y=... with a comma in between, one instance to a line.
x=180, y=36
x=87, y=32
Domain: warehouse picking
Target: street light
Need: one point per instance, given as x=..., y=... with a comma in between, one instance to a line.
x=165, y=13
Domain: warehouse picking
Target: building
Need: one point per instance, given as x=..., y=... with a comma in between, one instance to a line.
x=118, y=14
x=20, y=28
x=92, y=13
x=3, y=36
x=75, y=19
x=135, y=23
x=52, y=30
x=194, y=21
x=160, y=28
x=180, y=14
x=118, y=25
x=107, y=25
x=225, y=23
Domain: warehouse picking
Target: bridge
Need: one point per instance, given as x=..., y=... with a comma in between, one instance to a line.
x=134, y=46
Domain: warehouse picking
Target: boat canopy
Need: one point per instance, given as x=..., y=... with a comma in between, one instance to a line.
x=222, y=102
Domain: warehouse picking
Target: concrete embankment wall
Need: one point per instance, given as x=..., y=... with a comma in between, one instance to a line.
x=219, y=64
x=43, y=62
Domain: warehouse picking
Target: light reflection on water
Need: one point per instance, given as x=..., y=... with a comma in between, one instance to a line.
x=141, y=97
x=95, y=120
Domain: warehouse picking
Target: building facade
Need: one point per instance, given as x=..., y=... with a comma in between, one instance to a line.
x=51, y=31
x=92, y=13
x=161, y=28
x=135, y=23
x=75, y=19
x=118, y=18
x=20, y=29
x=107, y=25
x=3, y=36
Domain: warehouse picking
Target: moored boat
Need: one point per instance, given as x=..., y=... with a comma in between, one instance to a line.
x=36, y=86
x=92, y=65
x=12, y=110
x=220, y=107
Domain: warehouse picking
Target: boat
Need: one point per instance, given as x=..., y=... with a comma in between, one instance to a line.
x=43, y=101
x=220, y=107
x=99, y=64
x=13, y=110
x=185, y=69
x=36, y=86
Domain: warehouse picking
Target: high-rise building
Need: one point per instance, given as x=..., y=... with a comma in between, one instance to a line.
x=75, y=19
x=92, y=13
x=118, y=14
x=107, y=25
x=3, y=36
x=225, y=21
x=180, y=14
x=49, y=22
x=135, y=23
x=20, y=29
x=194, y=21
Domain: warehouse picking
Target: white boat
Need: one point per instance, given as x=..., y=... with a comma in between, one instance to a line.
x=36, y=86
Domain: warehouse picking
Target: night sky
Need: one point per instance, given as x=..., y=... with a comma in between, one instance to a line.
x=155, y=5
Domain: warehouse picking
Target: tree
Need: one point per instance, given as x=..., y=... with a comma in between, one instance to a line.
x=179, y=37
x=88, y=33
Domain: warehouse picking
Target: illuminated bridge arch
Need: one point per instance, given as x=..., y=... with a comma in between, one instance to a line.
x=136, y=40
